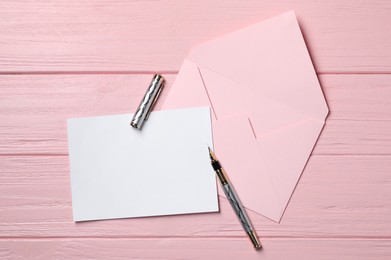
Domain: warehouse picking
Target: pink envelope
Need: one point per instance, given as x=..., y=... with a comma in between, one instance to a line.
x=268, y=107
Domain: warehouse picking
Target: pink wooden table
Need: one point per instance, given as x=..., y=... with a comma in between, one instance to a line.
x=63, y=58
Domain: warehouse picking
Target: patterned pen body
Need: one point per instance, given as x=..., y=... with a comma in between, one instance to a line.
x=235, y=202
x=241, y=214
x=148, y=101
x=237, y=207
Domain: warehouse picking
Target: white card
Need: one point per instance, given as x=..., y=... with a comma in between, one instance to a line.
x=118, y=171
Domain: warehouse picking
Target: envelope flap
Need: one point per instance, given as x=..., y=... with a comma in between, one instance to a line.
x=245, y=167
x=188, y=89
x=270, y=57
x=286, y=153
x=229, y=98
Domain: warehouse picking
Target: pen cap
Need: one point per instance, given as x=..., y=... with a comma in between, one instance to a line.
x=148, y=101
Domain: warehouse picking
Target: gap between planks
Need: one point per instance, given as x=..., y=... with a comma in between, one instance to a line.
x=86, y=72
x=124, y=72
x=270, y=238
x=66, y=155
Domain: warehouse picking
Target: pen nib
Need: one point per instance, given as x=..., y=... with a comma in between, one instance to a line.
x=211, y=154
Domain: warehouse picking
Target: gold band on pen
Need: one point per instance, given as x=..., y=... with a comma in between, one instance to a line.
x=222, y=176
x=254, y=239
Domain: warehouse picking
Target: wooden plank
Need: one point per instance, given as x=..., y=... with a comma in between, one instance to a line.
x=94, y=35
x=169, y=248
x=337, y=197
x=358, y=97
x=34, y=109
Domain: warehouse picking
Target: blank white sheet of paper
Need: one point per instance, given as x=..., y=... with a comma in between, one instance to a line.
x=118, y=171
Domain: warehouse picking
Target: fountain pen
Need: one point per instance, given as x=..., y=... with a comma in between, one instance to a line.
x=234, y=200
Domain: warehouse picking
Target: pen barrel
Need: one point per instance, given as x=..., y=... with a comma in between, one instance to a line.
x=237, y=207
x=240, y=212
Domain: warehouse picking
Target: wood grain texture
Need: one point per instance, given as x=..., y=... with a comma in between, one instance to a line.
x=337, y=197
x=174, y=249
x=35, y=108
x=96, y=35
